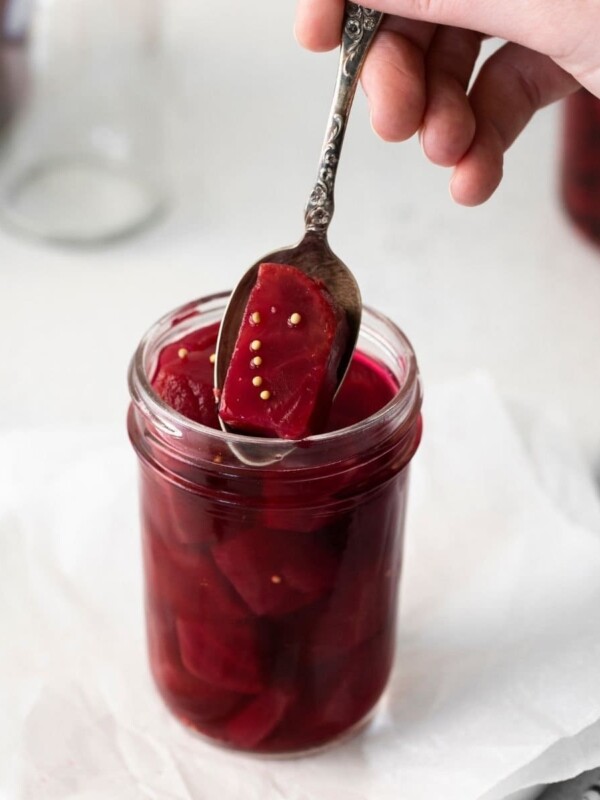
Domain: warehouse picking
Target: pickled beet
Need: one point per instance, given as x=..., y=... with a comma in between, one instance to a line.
x=271, y=623
x=335, y=695
x=276, y=573
x=189, y=583
x=196, y=700
x=367, y=387
x=184, y=376
x=182, y=517
x=284, y=369
x=224, y=653
x=254, y=722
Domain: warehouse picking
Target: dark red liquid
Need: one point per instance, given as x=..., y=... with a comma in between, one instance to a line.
x=271, y=616
x=581, y=162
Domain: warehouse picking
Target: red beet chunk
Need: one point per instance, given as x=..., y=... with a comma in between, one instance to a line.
x=275, y=572
x=188, y=695
x=364, y=600
x=258, y=719
x=354, y=684
x=224, y=653
x=184, y=376
x=335, y=696
x=290, y=343
x=188, y=582
x=179, y=516
x=356, y=613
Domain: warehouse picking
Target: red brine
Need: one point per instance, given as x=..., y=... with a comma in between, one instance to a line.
x=271, y=592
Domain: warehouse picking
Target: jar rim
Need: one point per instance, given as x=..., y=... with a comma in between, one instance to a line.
x=398, y=409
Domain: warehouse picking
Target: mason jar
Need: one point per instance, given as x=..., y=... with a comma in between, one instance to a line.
x=272, y=580
x=580, y=169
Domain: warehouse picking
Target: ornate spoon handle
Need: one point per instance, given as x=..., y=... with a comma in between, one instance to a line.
x=360, y=27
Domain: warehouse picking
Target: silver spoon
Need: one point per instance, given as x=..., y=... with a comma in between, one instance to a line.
x=313, y=254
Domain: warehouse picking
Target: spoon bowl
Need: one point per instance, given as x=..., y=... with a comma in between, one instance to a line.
x=313, y=255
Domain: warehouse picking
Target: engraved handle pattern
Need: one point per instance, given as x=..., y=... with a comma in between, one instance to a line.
x=360, y=27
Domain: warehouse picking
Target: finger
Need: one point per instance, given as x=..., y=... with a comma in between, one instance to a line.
x=319, y=24
x=544, y=25
x=511, y=86
x=393, y=78
x=449, y=125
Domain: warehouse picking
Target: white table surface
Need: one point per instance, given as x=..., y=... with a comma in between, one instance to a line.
x=508, y=287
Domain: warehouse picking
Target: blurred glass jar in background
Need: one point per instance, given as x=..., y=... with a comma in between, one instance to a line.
x=14, y=22
x=580, y=177
x=81, y=142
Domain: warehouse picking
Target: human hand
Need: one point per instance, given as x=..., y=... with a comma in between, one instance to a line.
x=418, y=73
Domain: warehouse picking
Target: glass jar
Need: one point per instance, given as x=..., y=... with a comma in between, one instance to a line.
x=82, y=160
x=271, y=591
x=581, y=163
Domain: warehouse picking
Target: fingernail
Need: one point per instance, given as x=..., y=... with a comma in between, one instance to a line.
x=421, y=137
x=371, y=122
x=450, y=188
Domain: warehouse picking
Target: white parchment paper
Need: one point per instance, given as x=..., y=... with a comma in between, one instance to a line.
x=497, y=684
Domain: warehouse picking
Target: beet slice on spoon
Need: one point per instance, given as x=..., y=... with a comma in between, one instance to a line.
x=283, y=373
x=312, y=256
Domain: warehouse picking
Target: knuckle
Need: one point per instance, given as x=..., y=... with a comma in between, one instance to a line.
x=507, y=78
x=529, y=89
